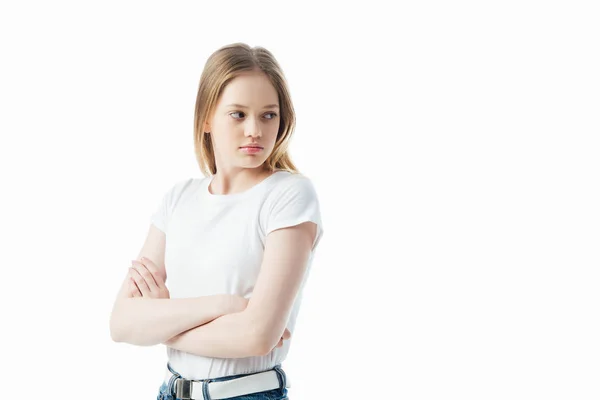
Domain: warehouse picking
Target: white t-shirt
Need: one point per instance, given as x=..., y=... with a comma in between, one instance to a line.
x=215, y=244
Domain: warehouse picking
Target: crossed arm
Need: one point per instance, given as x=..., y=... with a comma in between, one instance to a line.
x=222, y=326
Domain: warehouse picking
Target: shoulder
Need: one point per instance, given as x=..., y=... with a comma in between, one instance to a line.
x=292, y=201
x=185, y=184
x=181, y=188
x=292, y=183
x=290, y=190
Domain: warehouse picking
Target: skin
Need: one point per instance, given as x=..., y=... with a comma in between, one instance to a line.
x=230, y=127
x=145, y=280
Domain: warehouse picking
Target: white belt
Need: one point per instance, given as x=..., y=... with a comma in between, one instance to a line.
x=259, y=382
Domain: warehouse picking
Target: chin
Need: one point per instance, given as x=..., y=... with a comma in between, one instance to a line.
x=252, y=163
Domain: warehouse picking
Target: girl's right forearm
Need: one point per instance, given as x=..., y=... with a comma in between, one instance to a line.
x=146, y=321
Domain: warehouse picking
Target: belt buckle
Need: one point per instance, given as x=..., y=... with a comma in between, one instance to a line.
x=183, y=388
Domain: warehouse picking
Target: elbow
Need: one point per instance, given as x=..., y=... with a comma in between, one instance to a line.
x=258, y=349
x=260, y=336
x=120, y=333
x=262, y=344
x=117, y=323
x=125, y=329
x=115, y=329
x=115, y=337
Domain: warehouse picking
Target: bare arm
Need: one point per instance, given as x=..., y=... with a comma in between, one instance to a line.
x=256, y=330
x=229, y=336
x=150, y=321
x=146, y=322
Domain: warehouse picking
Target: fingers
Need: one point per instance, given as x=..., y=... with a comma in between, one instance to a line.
x=143, y=270
x=158, y=275
x=286, y=334
x=153, y=268
x=133, y=289
x=140, y=281
x=149, y=279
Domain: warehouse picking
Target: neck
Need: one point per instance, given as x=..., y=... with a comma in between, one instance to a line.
x=237, y=180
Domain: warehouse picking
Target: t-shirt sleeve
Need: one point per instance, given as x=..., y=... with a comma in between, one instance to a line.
x=163, y=212
x=291, y=203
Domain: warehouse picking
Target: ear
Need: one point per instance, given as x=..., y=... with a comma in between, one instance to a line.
x=206, y=126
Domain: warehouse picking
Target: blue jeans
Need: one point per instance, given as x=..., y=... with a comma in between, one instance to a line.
x=167, y=392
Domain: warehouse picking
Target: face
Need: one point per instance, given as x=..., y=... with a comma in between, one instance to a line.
x=241, y=118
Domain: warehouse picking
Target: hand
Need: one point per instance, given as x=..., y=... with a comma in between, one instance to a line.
x=146, y=280
x=286, y=335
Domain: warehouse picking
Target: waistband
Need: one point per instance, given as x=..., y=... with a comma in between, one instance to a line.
x=217, y=388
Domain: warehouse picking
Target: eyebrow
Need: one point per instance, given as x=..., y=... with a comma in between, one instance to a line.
x=241, y=106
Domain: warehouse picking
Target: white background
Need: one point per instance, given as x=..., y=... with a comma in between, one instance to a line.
x=453, y=145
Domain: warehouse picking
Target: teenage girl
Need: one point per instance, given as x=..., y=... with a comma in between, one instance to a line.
x=236, y=244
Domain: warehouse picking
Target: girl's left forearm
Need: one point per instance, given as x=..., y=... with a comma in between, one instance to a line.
x=228, y=336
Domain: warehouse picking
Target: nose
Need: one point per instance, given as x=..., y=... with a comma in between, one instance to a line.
x=253, y=129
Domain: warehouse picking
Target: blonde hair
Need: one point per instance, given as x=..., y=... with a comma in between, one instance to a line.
x=224, y=65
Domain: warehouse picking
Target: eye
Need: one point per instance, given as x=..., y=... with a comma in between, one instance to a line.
x=240, y=112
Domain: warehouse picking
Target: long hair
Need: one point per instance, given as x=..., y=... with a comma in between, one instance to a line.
x=224, y=65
